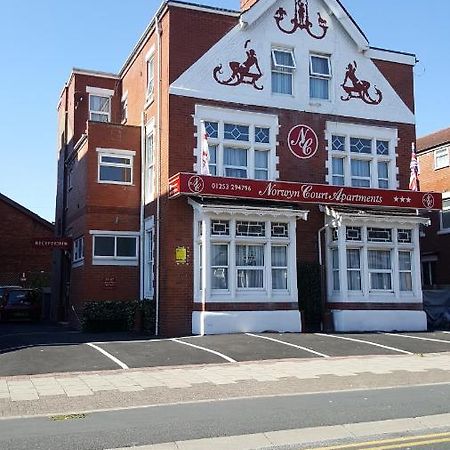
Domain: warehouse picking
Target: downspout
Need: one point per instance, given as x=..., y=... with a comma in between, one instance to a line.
x=158, y=175
x=142, y=208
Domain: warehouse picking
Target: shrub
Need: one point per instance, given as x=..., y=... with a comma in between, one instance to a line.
x=148, y=314
x=108, y=316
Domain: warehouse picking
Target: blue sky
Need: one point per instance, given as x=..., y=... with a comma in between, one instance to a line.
x=40, y=41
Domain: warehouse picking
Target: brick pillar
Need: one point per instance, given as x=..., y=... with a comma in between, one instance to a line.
x=247, y=4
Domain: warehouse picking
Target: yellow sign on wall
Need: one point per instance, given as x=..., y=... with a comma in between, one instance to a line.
x=181, y=255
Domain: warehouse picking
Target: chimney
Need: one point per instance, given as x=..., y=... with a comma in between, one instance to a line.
x=247, y=4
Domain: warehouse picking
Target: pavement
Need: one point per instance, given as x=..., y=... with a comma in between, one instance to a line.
x=59, y=393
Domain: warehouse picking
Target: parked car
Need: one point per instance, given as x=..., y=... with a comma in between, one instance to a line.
x=18, y=303
x=3, y=288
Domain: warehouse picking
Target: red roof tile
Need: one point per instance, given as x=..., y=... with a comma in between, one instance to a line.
x=433, y=140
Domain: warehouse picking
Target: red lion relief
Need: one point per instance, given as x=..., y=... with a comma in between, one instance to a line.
x=242, y=73
x=356, y=88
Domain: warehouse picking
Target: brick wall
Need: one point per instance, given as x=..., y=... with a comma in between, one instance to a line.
x=17, y=253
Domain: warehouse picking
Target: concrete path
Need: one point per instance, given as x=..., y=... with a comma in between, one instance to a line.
x=72, y=392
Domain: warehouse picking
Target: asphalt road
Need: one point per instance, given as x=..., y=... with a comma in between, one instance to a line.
x=38, y=350
x=196, y=420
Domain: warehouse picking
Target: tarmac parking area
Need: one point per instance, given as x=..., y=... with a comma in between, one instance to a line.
x=34, y=349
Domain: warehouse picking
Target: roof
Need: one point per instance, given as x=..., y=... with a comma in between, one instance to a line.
x=27, y=212
x=433, y=140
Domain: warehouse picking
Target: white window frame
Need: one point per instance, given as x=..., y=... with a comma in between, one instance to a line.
x=367, y=293
x=252, y=120
x=149, y=174
x=444, y=154
x=115, y=153
x=124, y=107
x=283, y=69
x=149, y=257
x=100, y=92
x=150, y=75
x=115, y=260
x=373, y=134
x=78, y=252
x=320, y=76
x=445, y=210
x=204, y=214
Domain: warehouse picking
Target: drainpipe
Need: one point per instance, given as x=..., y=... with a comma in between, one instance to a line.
x=158, y=175
x=141, y=212
x=326, y=322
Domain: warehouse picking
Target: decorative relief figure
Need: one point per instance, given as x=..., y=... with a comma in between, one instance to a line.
x=356, y=88
x=247, y=72
x=301, y=20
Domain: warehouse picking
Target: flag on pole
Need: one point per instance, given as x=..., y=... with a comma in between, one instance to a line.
x=204, y=151
x=414, y=184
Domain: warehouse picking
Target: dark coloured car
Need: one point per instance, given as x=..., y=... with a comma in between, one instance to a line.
x=20, y=304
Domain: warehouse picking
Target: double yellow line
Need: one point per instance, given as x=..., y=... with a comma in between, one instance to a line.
x=388, y=444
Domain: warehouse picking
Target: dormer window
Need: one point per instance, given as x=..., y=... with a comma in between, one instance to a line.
x=283, y=68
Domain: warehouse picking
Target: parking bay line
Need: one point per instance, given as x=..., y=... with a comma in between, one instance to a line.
x=290, y=345
x=417, y=337
x=108, y=355
x=227, y=358
x=365, y=342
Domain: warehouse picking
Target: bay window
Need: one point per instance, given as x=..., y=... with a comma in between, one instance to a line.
x=366, y=261
x=244, y=258
x=240, y=144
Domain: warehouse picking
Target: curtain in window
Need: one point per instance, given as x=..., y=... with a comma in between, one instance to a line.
x=237, y=158
x=360, y=169
x=100, y=104
x=318, y=88
x=279, y=274
x=282, y=83
x=261, y=165
x=250, y=255
x=404, y=259
x=380, y=260
x=219, y=266
x=335, y=264
x=353, y=270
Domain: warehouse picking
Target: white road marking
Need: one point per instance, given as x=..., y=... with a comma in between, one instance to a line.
x=227, y=358
x=289, y=344
x=366, y=342
x=417, y=337
x=108, y=355
x=446, y=332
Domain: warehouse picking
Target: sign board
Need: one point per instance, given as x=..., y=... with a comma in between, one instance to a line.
x=303, y=141
x=110, y=282
x=181, y=255
x=62, y=243
x=282, y=191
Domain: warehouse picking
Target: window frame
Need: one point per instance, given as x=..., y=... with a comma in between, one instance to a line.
x=283, y=69
x=445, y=210
x=115, y=153
x=78, y=251
x=320, y=76
x=445, y=151
x=395, y=247
x=204, y=239
x=149, y=174
x=149, y=257
x=115, y=260
x=366, y=132
x=150, y=80
x=254, y=121
x=93, y=91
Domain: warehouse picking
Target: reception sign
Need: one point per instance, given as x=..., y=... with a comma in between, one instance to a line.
x=282, y=191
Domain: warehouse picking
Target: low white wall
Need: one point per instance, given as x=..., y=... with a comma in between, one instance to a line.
x=245, y=321
x=375, y=320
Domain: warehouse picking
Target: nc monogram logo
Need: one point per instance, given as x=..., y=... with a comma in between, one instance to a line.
x=196, y=184
x=428, y=201
x=303, y=141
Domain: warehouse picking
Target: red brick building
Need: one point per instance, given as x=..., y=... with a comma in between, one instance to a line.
x=21, y=263
x=233, y=149
x=433, y=153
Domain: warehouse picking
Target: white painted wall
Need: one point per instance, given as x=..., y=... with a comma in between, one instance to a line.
x=245, y=321
x=264, y=34
x=379, y=320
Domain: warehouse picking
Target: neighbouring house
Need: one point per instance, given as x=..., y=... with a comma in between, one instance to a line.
x=244, y=171
x=433, y=153
x=22, y=263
